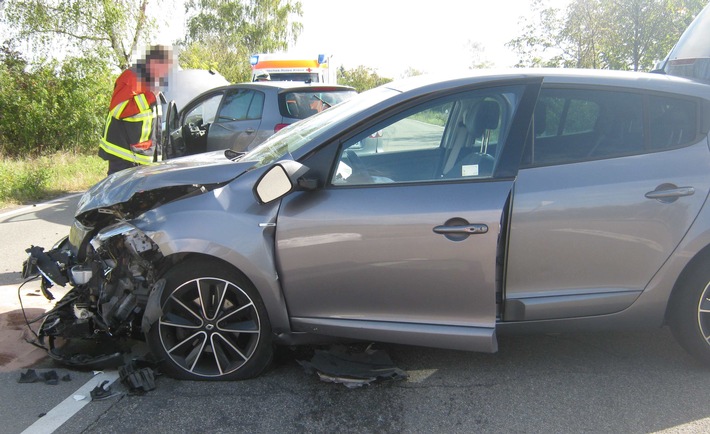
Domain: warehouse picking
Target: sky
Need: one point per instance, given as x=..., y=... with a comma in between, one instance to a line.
x=432, y=36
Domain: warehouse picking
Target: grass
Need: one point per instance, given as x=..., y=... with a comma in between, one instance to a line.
x=37, y=179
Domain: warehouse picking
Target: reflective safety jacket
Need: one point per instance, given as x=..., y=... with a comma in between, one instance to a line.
x=129, y=123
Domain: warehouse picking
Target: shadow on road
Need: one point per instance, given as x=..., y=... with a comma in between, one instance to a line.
x=61, y=211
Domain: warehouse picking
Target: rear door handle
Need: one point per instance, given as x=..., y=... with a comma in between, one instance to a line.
x=668, y=193
x=461, y=230
x=249, y=130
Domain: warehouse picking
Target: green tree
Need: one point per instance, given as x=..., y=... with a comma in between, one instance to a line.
x=478, y=56
x=609, y=34
x=538, y=45
x=224, y=34
x=641, y=32
x=411, y=72
x=112, y=28
x=361, y=78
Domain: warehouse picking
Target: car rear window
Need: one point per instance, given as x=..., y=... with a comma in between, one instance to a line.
x=300, y=104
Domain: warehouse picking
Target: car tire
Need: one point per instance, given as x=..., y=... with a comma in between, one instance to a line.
x=689, y=315
x=213, y=325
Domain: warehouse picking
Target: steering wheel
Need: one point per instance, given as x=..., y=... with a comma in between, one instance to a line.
x=360, y=172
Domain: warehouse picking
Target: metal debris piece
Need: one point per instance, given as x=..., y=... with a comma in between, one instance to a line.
x=352, y=369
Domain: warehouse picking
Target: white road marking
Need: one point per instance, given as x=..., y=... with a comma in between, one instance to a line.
x=70, y=406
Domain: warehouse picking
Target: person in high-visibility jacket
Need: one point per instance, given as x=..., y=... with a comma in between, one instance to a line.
x=129, y=132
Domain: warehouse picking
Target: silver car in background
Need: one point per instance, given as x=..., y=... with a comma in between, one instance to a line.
x=241, y=116
x=500, y=202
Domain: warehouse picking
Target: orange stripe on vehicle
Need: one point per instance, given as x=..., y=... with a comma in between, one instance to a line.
x=266, y=64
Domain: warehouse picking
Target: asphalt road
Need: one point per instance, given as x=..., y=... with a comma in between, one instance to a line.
x=611, y=382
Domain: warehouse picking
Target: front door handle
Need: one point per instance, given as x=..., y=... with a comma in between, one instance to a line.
x=668, y=193
x=461, y=230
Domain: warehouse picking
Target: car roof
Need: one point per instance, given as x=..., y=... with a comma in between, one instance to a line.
x=286, y=85
x=561, y=76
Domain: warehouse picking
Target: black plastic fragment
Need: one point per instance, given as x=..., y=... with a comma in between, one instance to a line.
x=138, y=381
x=30, y=376
x=87, y=361
x=102, y=391
x=45, y=263
x=50, y=377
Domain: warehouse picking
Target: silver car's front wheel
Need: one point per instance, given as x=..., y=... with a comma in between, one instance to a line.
x=213, y=326
x=689, y=315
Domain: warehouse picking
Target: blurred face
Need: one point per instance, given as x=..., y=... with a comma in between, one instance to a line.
x=317, y=105
x=158, y=68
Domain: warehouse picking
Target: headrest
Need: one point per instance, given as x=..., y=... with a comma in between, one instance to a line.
x=485, y=116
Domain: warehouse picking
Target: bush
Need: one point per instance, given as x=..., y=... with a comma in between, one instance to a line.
x=51, y=107
x=22, y=182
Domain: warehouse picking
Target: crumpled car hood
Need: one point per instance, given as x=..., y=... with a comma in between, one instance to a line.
x=211, y=168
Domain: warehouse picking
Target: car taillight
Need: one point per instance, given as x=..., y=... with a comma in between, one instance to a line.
x=280, y=127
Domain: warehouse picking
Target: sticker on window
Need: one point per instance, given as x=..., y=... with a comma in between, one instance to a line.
x=469, y=170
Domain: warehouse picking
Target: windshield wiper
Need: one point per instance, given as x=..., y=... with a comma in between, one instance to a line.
x=323, y=101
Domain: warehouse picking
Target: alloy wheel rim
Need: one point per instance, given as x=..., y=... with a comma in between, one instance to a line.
x=210, y=327
x=704, y=313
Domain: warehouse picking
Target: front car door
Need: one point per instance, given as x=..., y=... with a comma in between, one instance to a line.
x=195, y=122
x=402, y=244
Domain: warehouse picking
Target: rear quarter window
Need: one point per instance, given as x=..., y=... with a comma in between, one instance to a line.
x=673, y=122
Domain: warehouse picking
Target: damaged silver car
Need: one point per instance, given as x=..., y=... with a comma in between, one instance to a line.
x=523, y=201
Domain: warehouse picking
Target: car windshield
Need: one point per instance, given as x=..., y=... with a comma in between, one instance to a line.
x=292, y=138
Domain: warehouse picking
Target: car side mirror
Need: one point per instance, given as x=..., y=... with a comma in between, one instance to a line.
x=278, y=181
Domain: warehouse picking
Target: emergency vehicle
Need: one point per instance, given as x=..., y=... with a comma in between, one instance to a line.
x=287, y=67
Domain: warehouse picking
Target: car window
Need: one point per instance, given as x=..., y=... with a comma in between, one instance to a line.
x=573, y=125
x=294, y=140
x=240, y=105
x=256, y=108
x=673, y=122
x=455, y=138
x=578, y=124
x=204, y=112
x=301, y=104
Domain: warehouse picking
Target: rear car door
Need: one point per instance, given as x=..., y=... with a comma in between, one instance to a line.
x=612, y=182
x=394, y=249
x=237, y=121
